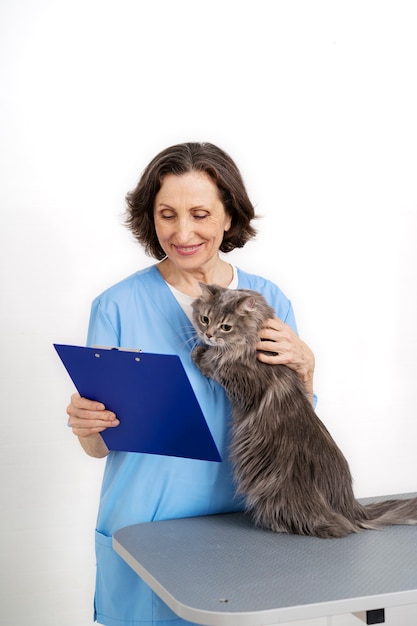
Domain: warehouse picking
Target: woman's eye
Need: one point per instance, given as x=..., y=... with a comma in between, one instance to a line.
x=204, y=320
x=226, y=328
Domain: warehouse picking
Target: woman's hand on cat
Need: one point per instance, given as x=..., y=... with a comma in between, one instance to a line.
x=280, y=345
x=88, y=419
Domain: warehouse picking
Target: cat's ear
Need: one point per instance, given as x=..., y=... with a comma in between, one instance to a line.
x=208, y=290
x=247, y=304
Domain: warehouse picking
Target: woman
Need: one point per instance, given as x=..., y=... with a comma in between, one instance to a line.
x=189, y=205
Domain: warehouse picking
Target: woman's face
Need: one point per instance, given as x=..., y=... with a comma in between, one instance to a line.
x=190, y=219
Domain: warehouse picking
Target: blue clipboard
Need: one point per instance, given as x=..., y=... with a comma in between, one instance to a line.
x=151, y=396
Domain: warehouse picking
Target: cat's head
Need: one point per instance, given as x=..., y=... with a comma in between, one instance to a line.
x=229, y=317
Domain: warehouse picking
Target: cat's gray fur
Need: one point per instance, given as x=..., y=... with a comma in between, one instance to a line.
x=291, y=471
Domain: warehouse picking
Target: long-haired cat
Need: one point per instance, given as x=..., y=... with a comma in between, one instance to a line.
x=292, y=473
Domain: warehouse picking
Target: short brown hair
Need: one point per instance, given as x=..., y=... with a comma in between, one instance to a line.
x=181, y=159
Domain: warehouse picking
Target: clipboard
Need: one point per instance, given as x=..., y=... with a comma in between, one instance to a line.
x=151, y=396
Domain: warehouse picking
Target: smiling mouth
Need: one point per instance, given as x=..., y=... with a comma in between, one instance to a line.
x=187, y=249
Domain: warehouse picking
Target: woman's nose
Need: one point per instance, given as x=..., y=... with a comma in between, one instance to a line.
x=184, y=230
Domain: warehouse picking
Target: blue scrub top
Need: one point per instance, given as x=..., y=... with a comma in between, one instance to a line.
x=141, y=312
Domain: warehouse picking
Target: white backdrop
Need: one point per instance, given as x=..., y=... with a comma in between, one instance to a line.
x=316, y=102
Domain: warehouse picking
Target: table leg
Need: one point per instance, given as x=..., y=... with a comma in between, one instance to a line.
x=376, y=616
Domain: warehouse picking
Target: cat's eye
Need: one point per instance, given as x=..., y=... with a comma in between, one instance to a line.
x=226, y=328
x=204, y=320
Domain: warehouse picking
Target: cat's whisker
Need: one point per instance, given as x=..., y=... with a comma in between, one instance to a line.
x=189, y=336
x=187, y=329
x=187, y=332
x=190, y=340
x=193, y=341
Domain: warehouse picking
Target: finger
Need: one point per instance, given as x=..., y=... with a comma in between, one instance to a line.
x=85, y=426
x=276, y=352
x=86, y=415
x=93, y=429
x=267, y=333
x=267, y=346
x=277, y=333
x=272, y=358
x=88, y=409
x=276, y=324
x=84, y=403
x=87, y=432
x=275, y=343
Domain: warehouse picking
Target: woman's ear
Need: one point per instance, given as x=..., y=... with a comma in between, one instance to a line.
x=228, y=223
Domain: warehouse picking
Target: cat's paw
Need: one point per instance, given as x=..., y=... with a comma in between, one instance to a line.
x=198, y=353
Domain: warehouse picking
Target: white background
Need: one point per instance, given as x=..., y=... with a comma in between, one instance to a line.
x=316, y=102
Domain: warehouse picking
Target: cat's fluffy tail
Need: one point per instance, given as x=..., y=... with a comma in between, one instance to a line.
x=327, y=522
x=388, y=512
x=373, y=516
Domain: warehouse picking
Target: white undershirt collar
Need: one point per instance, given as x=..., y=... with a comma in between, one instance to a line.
x=185, y=301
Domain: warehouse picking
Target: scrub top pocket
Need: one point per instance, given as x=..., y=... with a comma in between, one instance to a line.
x=122, y=596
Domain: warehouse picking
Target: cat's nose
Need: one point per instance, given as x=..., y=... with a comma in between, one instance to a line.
x=209, y=336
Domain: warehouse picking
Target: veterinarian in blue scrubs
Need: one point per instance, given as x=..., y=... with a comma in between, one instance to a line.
x=190, y=204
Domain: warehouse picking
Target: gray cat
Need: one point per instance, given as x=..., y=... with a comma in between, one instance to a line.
x=293, y=475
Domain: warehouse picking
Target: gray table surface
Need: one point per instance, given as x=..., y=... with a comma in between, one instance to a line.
x=221, y=570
